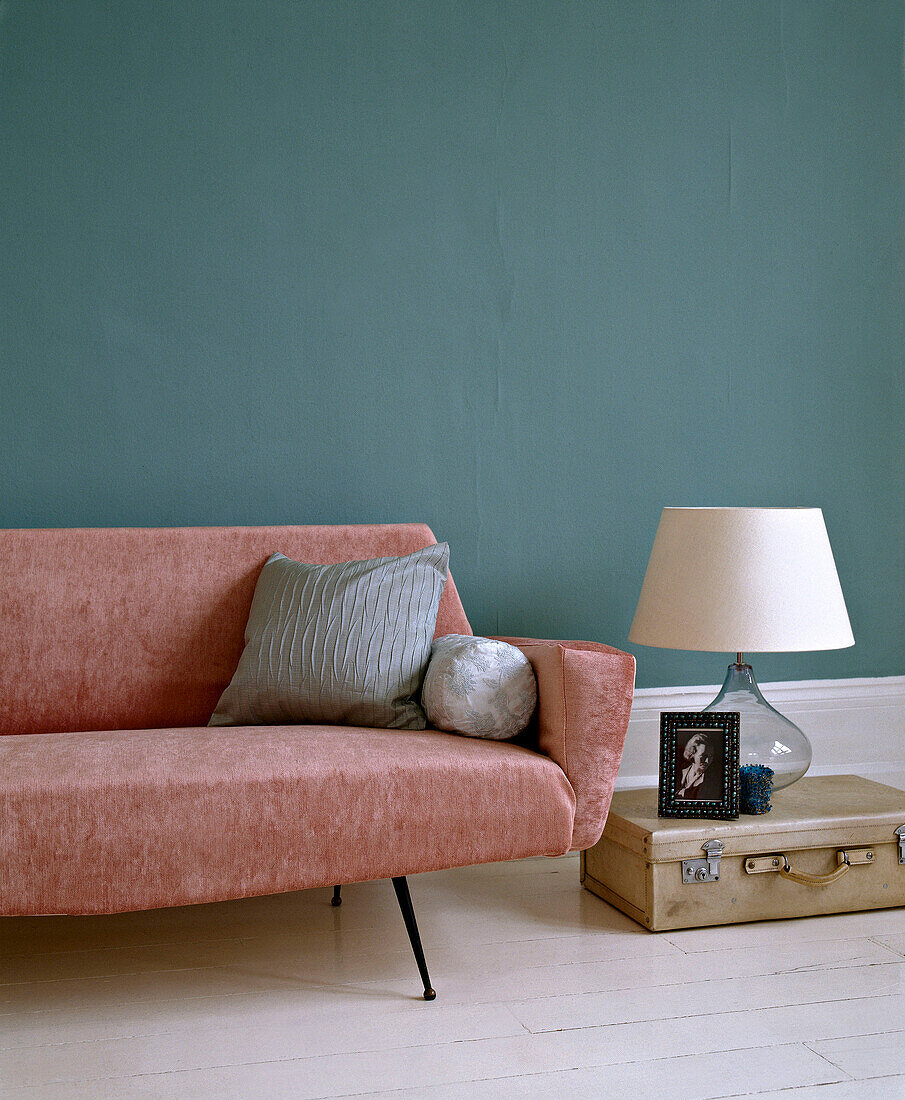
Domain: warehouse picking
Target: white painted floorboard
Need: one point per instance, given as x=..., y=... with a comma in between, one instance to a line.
x=543, y=991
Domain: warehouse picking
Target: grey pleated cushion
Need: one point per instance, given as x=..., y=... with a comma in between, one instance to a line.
x=479, y=687
x=346, y=644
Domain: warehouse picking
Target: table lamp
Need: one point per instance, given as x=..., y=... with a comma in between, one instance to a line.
x=760, y=580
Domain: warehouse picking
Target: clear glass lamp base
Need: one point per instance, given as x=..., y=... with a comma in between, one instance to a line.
x=765, y=736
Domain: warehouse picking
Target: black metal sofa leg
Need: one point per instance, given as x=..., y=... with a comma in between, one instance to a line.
x=336, y=899
x=408, y=915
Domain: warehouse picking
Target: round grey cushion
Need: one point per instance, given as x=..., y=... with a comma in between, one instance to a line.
x=478, y=687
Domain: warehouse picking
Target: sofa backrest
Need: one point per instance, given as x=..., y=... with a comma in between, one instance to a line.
x=132, y=628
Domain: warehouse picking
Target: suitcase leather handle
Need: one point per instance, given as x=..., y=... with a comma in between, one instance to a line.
x=844, y=857
x=805, y=878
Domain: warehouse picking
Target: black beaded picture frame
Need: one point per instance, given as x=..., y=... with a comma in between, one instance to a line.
x=698, y=764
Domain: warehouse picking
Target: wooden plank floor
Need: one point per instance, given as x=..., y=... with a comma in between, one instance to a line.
x=543, y=991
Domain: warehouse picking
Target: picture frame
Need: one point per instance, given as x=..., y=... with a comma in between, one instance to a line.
x=699, y=764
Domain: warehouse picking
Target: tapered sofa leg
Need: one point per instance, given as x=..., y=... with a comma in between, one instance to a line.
x=408, y=915
x=336, y=899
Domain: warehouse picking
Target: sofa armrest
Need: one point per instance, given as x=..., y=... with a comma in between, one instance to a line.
x=584, y=699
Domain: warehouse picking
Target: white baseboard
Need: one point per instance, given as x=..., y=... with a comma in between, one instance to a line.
x=856, y=724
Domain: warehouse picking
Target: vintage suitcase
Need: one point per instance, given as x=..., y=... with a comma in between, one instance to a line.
x=831, y=844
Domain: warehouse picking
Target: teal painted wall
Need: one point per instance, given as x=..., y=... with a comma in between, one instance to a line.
x=526, y=271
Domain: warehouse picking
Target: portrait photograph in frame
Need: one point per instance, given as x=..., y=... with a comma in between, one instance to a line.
x=699, y=764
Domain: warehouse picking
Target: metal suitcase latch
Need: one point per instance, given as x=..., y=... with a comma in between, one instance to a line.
x=900, y=833
x=703, y=870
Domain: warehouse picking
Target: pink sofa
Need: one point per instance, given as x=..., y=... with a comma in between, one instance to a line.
x=115, y=795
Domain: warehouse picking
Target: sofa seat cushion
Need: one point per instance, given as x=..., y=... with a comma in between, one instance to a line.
x=114, y=821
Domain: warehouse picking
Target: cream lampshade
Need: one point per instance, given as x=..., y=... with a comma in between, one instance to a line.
x=745, y=579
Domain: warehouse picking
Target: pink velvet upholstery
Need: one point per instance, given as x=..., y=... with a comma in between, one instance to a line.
x=137, y=632
x=584, y=699
x=126, y=628
x=136, y=819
